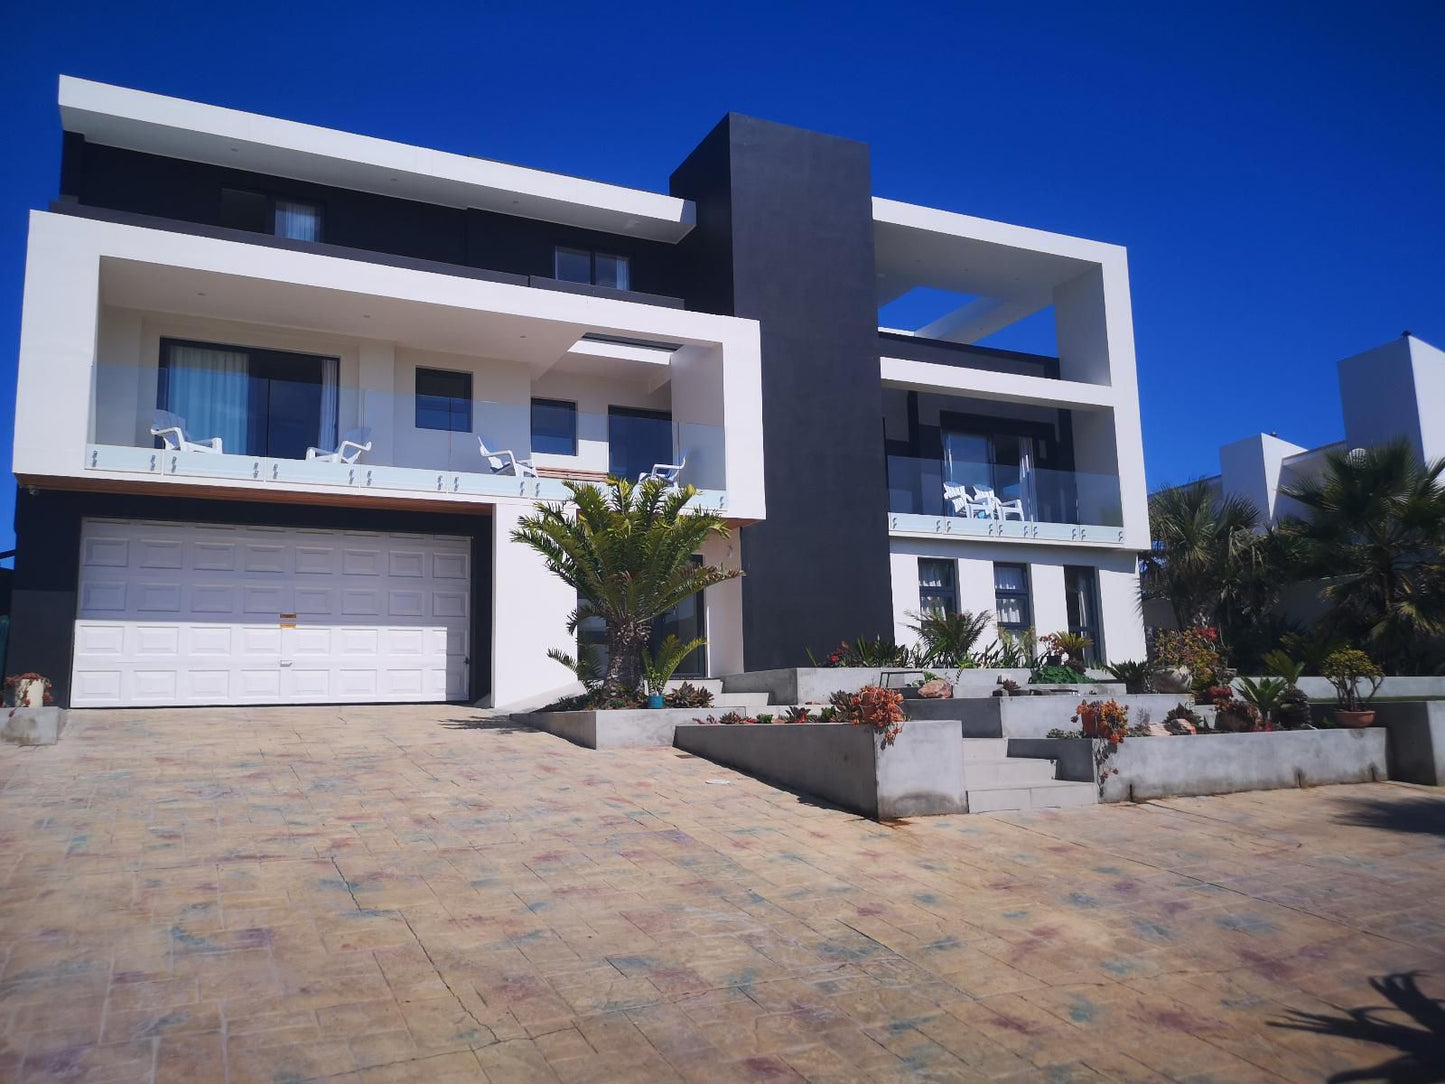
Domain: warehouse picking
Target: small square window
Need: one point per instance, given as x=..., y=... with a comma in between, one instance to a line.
x=609, y=271
x=298, y=221
x=554, y=427
x=573, y=265
x=242, y=210
x=444, y=400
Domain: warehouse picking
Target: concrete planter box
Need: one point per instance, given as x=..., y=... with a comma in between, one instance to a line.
x=1318, y=688
x=33, y=726
x=920, y=774
x=618, y=729
x=1217, y=763
x=813, y=685
x=1035, y=716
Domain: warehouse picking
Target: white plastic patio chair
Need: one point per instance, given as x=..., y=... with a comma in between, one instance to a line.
x=504, y=462
x=965, y=504
x=999, y=509
x=664, y=472
x=171, y=428
x=353, y=442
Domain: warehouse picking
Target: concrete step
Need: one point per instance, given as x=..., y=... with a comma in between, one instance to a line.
x=984, y=749
x=1007, y=773
x=1057, y=794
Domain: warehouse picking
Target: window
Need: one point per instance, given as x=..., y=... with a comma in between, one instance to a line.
x=687, y=621
x=1081, y=600
x=1011, y=597
x=554, y=427
x=937, y=586
x=259, y=402
x=257, y=212
x=298, y=221
x=637, y=440
x=444, y=400
x=593, y=268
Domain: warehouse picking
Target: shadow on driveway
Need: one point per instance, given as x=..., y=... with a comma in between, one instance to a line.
x=1421, y=815
x=1421, y=1047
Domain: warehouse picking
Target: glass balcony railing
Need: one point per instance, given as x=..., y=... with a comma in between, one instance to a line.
x=234, y=423
x=1002, y=494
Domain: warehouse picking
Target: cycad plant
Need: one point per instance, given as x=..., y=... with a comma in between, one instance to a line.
x=628, y=552
x=948, y=639
x=1264, y=694
x=657, y=670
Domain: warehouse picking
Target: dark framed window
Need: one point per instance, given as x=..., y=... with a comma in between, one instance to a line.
x=554, y=427
x=593, y=268
x=937, y=585
x=687, y=621
x=258, y=212
x=1011, y=602
x=259, y=402
x=444, y=400
x=1081, y=600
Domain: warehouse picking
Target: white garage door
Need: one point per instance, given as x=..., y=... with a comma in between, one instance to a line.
x=178, y=613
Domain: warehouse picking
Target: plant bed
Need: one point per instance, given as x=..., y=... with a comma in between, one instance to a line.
x=918, y=773
x=1165, y=767
x=619, y=728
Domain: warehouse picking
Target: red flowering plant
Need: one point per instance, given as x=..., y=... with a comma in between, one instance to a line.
x=874, y=706
x=1106, y=719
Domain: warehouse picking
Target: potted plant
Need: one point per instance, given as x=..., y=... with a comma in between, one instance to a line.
x=28, y=690
x=1184, y=660
x=1346, y=669
x=1293, y=709
x=657, y=670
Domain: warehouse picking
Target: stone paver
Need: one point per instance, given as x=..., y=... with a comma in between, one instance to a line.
x=389, y=894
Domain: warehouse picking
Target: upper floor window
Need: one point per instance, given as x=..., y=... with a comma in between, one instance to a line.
x=257, y=212
x=298, y=221
x=554, y=427
x=593, y=268
x=444, y=400
x=937, y=586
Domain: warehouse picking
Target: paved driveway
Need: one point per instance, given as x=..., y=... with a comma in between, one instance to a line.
x=384, y=894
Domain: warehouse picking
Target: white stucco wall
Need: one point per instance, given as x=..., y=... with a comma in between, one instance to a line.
x=1117, y=573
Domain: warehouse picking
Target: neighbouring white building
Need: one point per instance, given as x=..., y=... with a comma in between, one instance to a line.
x=1395, y=391
x=218, y=302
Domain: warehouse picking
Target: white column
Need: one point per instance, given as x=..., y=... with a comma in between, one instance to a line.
x=723, y=609
x=1046, y=586
x=1120, y=614
x=529, y=615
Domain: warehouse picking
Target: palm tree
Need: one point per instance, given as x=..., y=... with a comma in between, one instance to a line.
x=1374, y=529
x=946, y=639
x=628, y=551
x=1205, y=551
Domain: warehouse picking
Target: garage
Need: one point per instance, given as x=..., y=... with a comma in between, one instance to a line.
x=188, y=613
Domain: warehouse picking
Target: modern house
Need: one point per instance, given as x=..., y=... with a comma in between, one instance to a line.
x=1395, y=391
x=285, y=391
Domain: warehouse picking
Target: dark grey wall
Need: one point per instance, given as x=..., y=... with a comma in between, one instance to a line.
x=47, y=564
x=790, y=212
x=170, y=188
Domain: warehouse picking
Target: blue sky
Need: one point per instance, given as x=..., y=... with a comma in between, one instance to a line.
x=1277, y=171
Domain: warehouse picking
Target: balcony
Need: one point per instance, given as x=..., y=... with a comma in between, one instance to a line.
x=267, y=421
x=1056, y=505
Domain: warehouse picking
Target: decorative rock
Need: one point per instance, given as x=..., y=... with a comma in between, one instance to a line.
x=1173, y=679
x=937, y=689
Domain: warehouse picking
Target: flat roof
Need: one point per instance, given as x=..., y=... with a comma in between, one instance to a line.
x=176, y=128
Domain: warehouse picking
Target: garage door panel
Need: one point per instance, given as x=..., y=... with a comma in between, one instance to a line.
x=189, y=613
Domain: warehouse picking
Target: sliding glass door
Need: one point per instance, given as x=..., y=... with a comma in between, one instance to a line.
x=1004, y=462
x=259, y=402
x=637, y=440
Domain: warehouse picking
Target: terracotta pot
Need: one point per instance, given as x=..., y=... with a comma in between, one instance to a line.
x=1355, y=718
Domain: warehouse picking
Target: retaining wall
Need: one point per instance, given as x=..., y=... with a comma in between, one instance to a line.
x=920, y=774
x=1218, y=763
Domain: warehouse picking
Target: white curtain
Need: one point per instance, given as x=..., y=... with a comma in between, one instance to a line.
x=330, y=401
x=209, y=389
x=298, y=221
